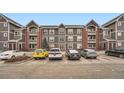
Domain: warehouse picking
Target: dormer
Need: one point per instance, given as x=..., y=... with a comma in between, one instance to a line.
x=32, y=27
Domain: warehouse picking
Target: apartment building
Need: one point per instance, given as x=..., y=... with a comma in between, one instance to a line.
x=33, y=36
x=112, y=35
x=11, y=34
x=91, y=35
x=63, y=36
x=14, y=36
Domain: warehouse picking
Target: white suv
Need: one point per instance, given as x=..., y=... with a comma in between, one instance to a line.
x=55, y=53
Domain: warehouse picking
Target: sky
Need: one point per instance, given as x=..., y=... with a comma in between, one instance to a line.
x=58, y=18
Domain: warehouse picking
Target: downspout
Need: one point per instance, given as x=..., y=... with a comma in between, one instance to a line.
x=116, y=32
x=8, y=33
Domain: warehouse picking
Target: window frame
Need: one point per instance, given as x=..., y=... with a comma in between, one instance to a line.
x=70, y=30
x=5, y=34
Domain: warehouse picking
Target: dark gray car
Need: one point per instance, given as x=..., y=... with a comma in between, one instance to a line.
x=73, y=54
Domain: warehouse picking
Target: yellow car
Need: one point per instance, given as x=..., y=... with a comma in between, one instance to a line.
x=40, y=53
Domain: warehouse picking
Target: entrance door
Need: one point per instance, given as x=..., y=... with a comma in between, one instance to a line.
x=62, y=46
x=10, y=46
x=114, y=45
x=20, y=47
x=110, y=46
x=14, y=46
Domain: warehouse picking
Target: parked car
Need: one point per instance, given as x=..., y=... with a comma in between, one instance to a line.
x=73, y=54
x=119, y=52
x=55, y=53
x=11, y=54
x=88, y=53
x=40, y=53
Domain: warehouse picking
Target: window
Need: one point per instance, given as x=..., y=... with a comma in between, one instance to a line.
x=119, y=33
x=33, y=31
x=61, y=31
x=62, y=46
x=4, y=44
x=45, y=31
x=52, y=45
x=5, y=34
x=51, y=39
x=79, y=46
x=32, y=38
x=70, y=38
x=79, y=31
x=91, y=29
x=91, y=45
x=119, y=23
x=32, y=46
x=51, y=31
x=70, y=31
x=79, y=38
x=70, y=46
x=119, y=43
x=62, y=39
x=91, y=37
x=17, y=33
x=5, y=24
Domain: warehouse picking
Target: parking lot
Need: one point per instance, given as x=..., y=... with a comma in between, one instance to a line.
x=103, y=67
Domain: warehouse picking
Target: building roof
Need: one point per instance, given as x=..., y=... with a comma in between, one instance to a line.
x=74, y=26
x=92, y=22
x=113, y=20
x=49, y=26
x=10, y=20
x=32, y=22
x=62, y=25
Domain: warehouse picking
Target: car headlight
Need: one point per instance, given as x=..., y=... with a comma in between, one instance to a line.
x=6, y=54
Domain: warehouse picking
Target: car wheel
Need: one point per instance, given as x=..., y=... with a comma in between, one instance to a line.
x=13, y=57
x=62, y=58
x=121, y=56
x=35, y=58
x=24, y=54
x=85, y=57
x=94, y=57
x=46, y=55
x=107, y=54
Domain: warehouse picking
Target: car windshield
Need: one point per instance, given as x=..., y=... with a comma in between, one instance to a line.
x=55, y=50
x=9, y=51
x=38, y=51
x=73, y=51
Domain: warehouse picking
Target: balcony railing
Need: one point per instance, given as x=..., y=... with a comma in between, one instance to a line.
x=32, y=40
x=32, y=33
x=91, y=41
x=91, y=33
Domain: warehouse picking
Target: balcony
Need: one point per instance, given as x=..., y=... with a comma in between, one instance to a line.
x=91, y=41
x=32, y=40
x=91, y=33
x=31, y=33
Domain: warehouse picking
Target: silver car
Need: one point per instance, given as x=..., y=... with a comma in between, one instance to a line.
x=89, y=53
